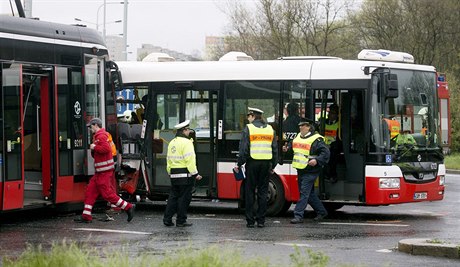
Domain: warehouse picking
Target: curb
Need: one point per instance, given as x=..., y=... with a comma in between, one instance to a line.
x=452, y=171
x=425, y=246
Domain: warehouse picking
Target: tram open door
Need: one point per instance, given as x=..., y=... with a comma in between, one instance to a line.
x=26, y=159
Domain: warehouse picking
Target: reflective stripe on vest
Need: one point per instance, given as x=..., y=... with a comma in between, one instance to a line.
x=104, y=165
x=260, y=142
x=331, y=132
x=301, y=147
x=180, y=175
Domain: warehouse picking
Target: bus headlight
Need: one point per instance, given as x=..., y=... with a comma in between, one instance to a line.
x=389, y=183
x=442, y=179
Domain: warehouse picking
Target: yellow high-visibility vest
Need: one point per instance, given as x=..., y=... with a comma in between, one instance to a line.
x=181, y=154
x=301, y=147
x=260, y=142
x=331, y=132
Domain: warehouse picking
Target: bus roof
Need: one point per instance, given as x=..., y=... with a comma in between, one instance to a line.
x=142, y=72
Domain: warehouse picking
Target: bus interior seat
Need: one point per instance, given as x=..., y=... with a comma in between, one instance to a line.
x=420, y=139
x=129, y=137
x=136, y=130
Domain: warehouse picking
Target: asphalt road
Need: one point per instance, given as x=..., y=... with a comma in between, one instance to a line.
x=364, y=236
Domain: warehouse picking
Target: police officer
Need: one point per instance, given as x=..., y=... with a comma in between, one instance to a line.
x=310, y=155
x=258, y=150
x=181, y=166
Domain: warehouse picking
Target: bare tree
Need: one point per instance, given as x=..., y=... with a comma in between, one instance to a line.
x=274, y=28
x=423, y=28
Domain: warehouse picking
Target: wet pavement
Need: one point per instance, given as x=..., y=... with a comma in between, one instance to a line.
x=365, y=236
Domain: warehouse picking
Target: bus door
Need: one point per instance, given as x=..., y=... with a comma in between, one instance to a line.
x=343, y=177
x=353, y=141
x=168, y=110
x=26, y=90
x=200, y=109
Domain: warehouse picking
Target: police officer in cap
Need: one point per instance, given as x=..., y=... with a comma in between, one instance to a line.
x=181, y=167
x=259, y=151
x=310, y=155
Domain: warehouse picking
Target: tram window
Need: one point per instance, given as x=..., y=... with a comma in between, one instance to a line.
x=92, y=89
x=11, y=116
x=64, y=126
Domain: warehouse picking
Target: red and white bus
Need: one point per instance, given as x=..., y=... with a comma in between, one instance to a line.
x=371, y=169
x=53, y=80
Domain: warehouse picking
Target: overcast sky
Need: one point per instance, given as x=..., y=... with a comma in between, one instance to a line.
x=179, y=25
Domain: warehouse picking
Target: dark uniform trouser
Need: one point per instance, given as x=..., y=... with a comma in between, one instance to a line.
x=257, y=176
x=178, y=201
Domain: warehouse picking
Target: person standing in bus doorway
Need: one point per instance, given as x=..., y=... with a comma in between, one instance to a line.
x=310, y=155
x=332, y=126
x=181, y=167
x=100, y=184
x=259, y=151
x=290, y=124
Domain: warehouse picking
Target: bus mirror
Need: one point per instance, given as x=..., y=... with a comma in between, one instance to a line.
x=391, y=86
x=157, y=146
x=114, y=76
x=115, y=80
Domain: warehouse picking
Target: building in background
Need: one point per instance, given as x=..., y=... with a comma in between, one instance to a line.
x=214, y=47
x=149, y=48
x=115, y=45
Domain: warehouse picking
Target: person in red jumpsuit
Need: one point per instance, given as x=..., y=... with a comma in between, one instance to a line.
x=100, y=184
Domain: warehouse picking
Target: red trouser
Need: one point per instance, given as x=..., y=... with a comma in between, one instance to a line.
x=101, y=185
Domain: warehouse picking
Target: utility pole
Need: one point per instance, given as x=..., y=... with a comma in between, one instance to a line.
x=125, y=29
x=105, y=15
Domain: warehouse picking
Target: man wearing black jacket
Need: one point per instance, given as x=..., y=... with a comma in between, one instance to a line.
x=310, y=155
x=259, y=151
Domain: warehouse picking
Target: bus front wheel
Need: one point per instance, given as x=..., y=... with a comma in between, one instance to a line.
x=276, y=204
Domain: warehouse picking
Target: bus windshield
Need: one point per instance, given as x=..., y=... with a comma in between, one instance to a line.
x=408, y=121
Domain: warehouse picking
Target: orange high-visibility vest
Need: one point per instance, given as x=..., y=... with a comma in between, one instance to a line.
x=112, y=145
x=394, y=127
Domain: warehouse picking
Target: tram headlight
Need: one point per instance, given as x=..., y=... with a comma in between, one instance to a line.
x=389, y=183
x=442, y=179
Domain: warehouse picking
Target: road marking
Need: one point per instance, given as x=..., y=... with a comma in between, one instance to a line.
x=384, y=250
x=214, y=219
x=266, y=242
x=293, y=244
x=368, y=224
x=111, y=231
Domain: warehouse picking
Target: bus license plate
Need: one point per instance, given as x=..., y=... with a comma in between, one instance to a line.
x=422, y=195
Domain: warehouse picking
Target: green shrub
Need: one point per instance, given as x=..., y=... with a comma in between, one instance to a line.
x=452, y=161
x=75, y=255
